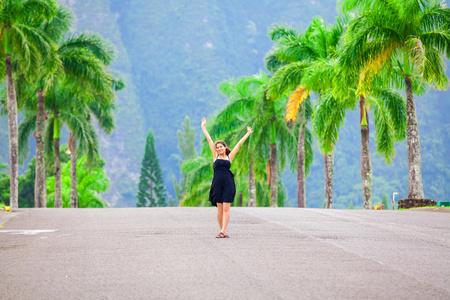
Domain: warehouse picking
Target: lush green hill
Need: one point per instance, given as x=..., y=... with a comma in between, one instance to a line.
x=173, y=53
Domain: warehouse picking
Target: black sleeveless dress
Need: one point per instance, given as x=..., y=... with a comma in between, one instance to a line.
x=223, y=188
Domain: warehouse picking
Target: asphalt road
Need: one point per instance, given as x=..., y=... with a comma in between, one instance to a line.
x=172, y=253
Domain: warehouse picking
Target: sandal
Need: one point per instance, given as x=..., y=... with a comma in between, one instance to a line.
x=220, y=235
x=226, y=235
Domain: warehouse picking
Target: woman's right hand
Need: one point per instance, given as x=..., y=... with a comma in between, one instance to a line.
x=203, y=121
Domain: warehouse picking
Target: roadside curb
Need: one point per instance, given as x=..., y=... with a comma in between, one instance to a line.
x=6, y=216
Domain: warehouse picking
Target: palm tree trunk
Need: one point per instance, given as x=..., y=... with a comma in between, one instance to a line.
x=415, y=190
x=58, y=195
x=13, y=135
x=273, y=176
x=251, y=185
x=73, y=173
x=328, y=161
x=40, y=199
x=301, y=174
x=366, y=164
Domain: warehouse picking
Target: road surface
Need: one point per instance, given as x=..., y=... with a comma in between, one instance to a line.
x=273, y=253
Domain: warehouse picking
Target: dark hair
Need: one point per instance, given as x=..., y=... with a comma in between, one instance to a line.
x=227, y=150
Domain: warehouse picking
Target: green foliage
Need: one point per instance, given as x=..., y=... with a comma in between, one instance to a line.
x=282, y=193
x=198, y=181
x=26, y=186
x=90, y=183
x=378, y=37
x=350, y=205
x=161, y=62
x=21, y=36
x=171, y=202
x=384, y=201
x=4, y=186
x=151, y=190
x=186, y=144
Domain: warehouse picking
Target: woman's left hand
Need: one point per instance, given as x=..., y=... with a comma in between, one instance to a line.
x=249, y=130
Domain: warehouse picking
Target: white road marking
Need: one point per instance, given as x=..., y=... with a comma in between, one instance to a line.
x=27, y=232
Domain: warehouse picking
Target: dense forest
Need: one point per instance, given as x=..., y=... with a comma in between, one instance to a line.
x=173, y=55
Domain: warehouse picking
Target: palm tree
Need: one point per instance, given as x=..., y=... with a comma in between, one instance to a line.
x=249, y=106
x=82, y=59
x=56, y=28
x=304, y=136
x=64, y=108
x=94, y=105
x=22, y=42
x=198, y=180
x=241, y=95
x=298, y=51
x=385, y=32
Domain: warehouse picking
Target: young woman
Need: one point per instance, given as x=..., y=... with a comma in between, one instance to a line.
x=223, y=188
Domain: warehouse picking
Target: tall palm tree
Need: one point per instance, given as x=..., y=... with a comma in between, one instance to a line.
x=82, y=59
x=55, y=28
x=297, y=52
x=93, y=106
x=411, y=37
x=249, y=106
x=303, y=112
x=388, y=108
x=64, y=109
x=24, y=43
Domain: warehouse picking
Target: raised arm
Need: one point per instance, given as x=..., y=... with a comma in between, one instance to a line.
x=208, y=138
x=236, y=148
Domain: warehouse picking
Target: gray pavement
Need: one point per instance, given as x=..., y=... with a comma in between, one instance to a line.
x=171, y=253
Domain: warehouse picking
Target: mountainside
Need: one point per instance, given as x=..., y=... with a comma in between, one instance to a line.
x=174, y=53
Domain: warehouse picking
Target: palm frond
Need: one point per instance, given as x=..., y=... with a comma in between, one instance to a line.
x=434, y=69
x=379, y=58
x=198, y=181
x=437, y=39
x=3, y=100
x=104, y=115
x=228, y=88
x=412, y=8
x=86, y=70
x=435, y=17
x=26, y=52
x=320, y=74
x=38, y=9
x=368, y=36
x=349, y=5
x=286, y=79
x=60, y=24
x=417, y=52
x=294, y=102
x=85, y=133
x=119, y=82
x=309, y=152
x=92, y=42
x=384, y=131
x=327, y=119
x=272, y=63
x=282, y=31
x=26, y=128
x=396, y=107
x=48, y=141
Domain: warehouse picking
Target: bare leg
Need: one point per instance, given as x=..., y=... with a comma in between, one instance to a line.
x=226, y=216
x=220, y=214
